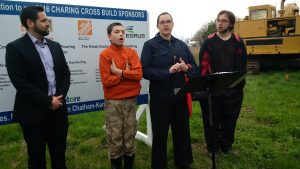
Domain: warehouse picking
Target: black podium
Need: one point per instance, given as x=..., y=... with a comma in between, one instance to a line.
x=206, y=86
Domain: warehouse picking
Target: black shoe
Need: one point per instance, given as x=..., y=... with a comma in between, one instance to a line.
x=116, y=163
x=128, y=161
x=209, y=153
x=184, y=167
x=229, y=150
x=216, y=150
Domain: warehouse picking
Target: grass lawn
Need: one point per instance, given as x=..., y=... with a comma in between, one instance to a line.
x=267, y=134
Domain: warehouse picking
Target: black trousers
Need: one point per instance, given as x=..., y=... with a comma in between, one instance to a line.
x=51, y=132
x=165, y=112
x=226, y=106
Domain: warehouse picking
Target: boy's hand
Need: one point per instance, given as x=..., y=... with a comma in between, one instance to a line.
x=114, y=69
x=128, y=66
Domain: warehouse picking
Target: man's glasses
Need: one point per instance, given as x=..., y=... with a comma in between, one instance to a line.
x=221, y=21
x=168, y=22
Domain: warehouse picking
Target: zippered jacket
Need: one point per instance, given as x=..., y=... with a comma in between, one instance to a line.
x=158, y=56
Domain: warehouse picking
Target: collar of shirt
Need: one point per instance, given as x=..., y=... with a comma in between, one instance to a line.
x=160, y=39
x=36, y=41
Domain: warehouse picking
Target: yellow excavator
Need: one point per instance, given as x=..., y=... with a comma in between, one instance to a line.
x=272, y=38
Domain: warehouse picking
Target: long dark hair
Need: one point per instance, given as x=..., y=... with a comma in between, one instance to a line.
x=231, y=18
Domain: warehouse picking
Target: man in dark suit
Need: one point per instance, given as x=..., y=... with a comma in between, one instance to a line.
x=38, y=70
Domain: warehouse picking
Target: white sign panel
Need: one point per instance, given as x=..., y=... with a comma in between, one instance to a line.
x=81, y=31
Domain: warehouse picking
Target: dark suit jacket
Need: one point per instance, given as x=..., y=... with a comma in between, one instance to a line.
x=27, y=74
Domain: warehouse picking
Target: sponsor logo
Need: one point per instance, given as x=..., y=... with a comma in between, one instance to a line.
x=130, y=33
x=85, y=27
x=129, y=29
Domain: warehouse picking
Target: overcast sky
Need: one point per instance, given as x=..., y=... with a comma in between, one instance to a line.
x=188, y=15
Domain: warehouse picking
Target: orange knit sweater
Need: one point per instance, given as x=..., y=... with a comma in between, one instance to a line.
x=114, y=86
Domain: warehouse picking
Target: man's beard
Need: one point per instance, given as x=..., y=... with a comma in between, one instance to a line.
x=41, y=32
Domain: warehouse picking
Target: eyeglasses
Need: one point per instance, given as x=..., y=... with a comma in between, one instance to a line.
x=221, y=21
x=168, y=22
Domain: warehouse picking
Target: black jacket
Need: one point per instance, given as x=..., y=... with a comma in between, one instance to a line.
x=157, y=58
x=209, y=58
x=27, y=74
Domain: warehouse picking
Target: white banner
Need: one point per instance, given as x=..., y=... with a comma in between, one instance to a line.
x=81, y=31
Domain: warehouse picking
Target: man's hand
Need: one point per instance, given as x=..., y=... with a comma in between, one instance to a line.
x=182, y=66
x=114, y=69
x=57, y=102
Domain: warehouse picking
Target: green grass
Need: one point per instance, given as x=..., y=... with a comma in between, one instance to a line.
x=267, y=134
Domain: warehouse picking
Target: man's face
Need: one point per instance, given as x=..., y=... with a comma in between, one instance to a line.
x=165, y=25
x=117, y=35
x=222, y=23
x=41, y=25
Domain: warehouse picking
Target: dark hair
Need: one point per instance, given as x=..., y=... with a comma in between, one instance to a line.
x=231, y=18
x=164, y=13
x=30, y=12
x=111, y=26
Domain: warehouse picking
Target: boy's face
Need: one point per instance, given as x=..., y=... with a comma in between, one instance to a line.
x=222, y=23
x=117, y=35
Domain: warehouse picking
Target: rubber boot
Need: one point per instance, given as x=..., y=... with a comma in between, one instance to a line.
x=128, y=161
x=116, y=163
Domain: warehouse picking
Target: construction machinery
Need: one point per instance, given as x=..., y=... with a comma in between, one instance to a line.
x=272, y=38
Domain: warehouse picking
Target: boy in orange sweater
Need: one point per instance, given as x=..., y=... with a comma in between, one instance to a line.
x=121, y=72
